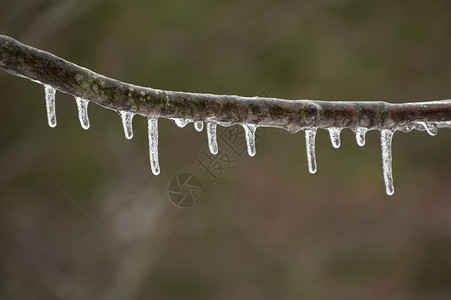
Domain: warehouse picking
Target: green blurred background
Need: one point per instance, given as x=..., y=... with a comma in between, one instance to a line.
x=82, y=216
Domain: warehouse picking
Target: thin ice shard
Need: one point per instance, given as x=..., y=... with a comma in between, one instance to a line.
x=199, y=126
x=82, y=106
x=386, y=139
x=211, y=135
x=249, y=132
x=310, y=135
x=127, y=123
x=50, y=104
x=335, y=137
x=360, y=136
x=153, y=145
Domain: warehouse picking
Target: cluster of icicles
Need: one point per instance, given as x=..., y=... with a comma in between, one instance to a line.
x=249, y=131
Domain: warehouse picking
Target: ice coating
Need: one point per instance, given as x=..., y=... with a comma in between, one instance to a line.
x=310, y=135
x=211, y=135
x=199, y=126
x=249, y=132
x=127, y=123
x=334, y=134
x=360, y=136
x=386, y=139
x=82, y=106
x=153, y=145
x=50, y=104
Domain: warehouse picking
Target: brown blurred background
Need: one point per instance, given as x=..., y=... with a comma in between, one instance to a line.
x=82, y=216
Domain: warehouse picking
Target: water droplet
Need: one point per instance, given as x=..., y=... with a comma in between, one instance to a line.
x=249, y=132
x=127, y=123
x=360, y=136
x=386, y=139
x=181, y=122
x=430, y=127
x=153, y=145
x=211, y=135
x=82, y=106
x=50, y=104
x=310, y=135
x=334, y=134
x=199, y=126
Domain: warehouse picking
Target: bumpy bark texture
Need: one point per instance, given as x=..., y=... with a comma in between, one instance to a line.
x=293, y=115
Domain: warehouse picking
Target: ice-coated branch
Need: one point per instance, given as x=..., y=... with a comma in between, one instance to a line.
x=293, y=115
x=251, y=112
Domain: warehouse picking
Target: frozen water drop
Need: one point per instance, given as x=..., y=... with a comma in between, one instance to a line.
x=211, y=135
x=82, y=106
x=310, y=135
x=127, y=123
x=50, y=104
x=360, y=136
x=249, y=132
x=180, y=122
x=335, y=137
x=153, y=145
x=430, y=127
x=386, y=139
x=199, y=125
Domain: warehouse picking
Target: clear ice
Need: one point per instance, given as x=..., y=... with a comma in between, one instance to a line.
x=82, y=106
x=249, y=131
x=360, y=136
x=127, y=123
x=153, y=145
x=50, y=104
x=211, y=135
x=430, y=127
x=386, y=139
x=335, y=137
x=310, y=135
x=199, y=126
x=181, y=122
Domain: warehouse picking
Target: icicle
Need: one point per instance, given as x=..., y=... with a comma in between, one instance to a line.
x=360, y=136
x=181, y=122
x=153, y=145
x=199, y=125
x=310, y=135
x=335, y=137
x=386, y=138
x=249, y=132
x=82, y=105
x=50, y=104
x=431, y=128
x=127, y=123
x=211, y=134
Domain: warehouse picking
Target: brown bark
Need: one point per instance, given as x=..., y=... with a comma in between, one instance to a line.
x=293, y=115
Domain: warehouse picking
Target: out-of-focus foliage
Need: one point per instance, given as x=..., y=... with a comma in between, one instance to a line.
x=82, y=217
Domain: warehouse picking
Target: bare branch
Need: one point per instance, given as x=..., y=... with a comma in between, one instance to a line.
x=293, y=115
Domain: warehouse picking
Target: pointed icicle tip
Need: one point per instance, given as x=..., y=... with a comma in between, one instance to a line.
x=360, y=136
x=50, y=104
x=82, y=106
x=211, y=135
x=153, y=145
x=386, y=140
x=199, y=126
x=127, y=123
x=334, y=134
x=249, y=132
x=310, y=135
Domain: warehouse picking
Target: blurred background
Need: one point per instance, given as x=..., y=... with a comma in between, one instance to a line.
x=82, y=216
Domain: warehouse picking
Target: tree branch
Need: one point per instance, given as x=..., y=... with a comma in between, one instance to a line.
x=293, y=115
